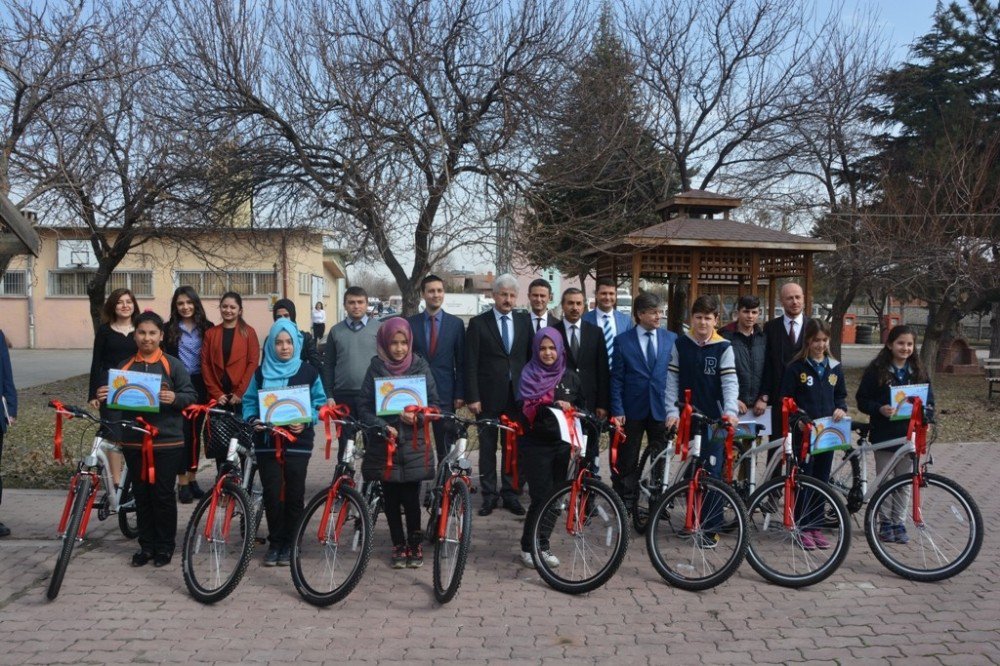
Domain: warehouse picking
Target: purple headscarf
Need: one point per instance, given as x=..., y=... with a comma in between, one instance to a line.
x=538, y=381
x=386, y=332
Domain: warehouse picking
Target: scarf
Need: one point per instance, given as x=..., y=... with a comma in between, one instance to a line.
x=386, y=332
x=275, y=371
x=538, y=381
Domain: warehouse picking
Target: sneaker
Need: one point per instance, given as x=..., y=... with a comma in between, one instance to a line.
x=196, y=491
x=551, y=561
x=805, y=540
x=415, y=557
x=285, y=556
x=820, y=541
x=399, y=554
x=184, y=495
x=271, y=559
x=887, y=533
x=527, y=560
x=901, y=535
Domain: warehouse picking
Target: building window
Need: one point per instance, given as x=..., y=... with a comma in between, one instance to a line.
x=14, y=283
x=74, y=282
x=306, y=284
x=244, y=283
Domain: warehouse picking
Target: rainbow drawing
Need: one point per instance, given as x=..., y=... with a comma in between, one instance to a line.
x=134, y=391
x=829, y=435
x=899, y=399
x=394, y=394
x=285, y=406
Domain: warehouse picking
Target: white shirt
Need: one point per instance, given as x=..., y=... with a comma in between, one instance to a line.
x=539, y=322
x=319, y=316
x=798, y=324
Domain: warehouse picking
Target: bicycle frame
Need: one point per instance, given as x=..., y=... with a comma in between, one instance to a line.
x=96, y=465
x=344, y=474
x=907, y=448
x=453, y=466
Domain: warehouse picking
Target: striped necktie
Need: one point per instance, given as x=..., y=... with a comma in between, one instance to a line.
x=609, y=340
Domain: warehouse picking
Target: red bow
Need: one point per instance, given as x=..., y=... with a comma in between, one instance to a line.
x=429, y=414
x=617, y=439
x=282, y=438
x=192, y=412
x=328, y=414
x=510, y=448
x=390, y=453
x=57, y=439
x=727, y=470
x=917, y=426
x=574, y=438
x=682, y=441
x=788, y=407
x=807, y=429
x=148, y=462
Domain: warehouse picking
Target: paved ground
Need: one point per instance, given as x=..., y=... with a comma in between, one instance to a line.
x=41, y=366
x=109, y=612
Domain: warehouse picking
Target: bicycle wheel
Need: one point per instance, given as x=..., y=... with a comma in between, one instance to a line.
x=706, y=552
x=813, y=543
x=372, y=491
x=647, y=490
x=216, y=556
x=451, y=552
x=846, y=479
x=588, y=540
x=128, y=521
x=330, y=550
x=946, y=541
x=82, y=495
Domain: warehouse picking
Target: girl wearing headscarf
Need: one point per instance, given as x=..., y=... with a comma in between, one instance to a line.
x=544, y=457
x=283, y=367
x=413, y=460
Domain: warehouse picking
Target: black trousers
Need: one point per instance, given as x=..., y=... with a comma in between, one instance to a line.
x=282, y=516
x=346, y=432
x=625, y=481
x=488, y=442
x=543, y=465
x=400, y=498
x=318, y=331
x=156, y=503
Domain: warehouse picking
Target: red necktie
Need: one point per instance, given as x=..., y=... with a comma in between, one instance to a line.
x=434, y=336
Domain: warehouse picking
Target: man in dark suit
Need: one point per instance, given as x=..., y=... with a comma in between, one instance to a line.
x=586, y=353
x=638, y=389
x=497, y=345
x=783, y=340
x=539, y=296
x=440, y=338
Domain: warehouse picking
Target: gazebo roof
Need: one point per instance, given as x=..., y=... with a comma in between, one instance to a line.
x=698, y=201
x=688, y=232
x=19, y=226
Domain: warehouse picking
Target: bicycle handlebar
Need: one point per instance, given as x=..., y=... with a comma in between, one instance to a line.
x=79, y=412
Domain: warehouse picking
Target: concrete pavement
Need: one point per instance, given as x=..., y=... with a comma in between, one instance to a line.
x=108, y=612
x=33, y=367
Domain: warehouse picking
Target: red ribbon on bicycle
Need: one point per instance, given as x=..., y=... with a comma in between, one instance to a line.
x=148, y=461
x=510, y=448
x=788, y=407
x=807, y=429
x=327, y=415
x=682, y=441
x=57, y=439
x=427, y=414
x=390, y=453
x=917, y=429
x=617, y=439
x=282, y=438
x=192, y=412
x=727, y=468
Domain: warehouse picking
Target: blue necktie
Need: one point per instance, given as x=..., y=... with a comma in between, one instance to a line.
x=505, y=333
x=609, y=340
x=650, y=354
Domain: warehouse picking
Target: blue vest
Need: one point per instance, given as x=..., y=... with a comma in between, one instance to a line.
x=700, y=371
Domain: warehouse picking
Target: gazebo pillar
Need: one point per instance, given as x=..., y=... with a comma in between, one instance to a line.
x=636, y=273
x=693, y=287
x=754, y=271
x=772, y=292
x=808, y=279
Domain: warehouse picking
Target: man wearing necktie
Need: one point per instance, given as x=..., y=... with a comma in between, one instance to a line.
x=606, y=317
x=783, y=340
x=497, y=346
x=539, y=297
x=588, y=355
x=440, y=338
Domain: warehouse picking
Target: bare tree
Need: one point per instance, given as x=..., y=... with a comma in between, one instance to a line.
x=399, y=118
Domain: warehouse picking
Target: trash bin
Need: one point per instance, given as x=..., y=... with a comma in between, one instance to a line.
x=865, y=334
x=849, y=332
x=889, y=322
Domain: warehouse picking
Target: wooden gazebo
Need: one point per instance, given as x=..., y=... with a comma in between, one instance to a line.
x=17, y=236
x=698, y=246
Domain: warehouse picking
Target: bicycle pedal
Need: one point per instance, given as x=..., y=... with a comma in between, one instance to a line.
x=103, y=508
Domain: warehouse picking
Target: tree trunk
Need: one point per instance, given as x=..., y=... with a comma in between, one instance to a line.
x=411, y=297
x=939, y=322
x=995, y=330
x=582, y=275
x=842, y=300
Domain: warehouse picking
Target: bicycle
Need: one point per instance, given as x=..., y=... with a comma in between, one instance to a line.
x=697, y=534
x=92, y=470
x=215, y=556
x=595, y=535
x=786, y=512
x=945, y=525
x=328, y=562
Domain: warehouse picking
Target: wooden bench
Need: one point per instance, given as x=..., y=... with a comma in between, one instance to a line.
x=991, y=368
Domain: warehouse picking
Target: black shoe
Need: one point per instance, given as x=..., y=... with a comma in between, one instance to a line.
x=271, y=558
x=285, y=556
x=196, y=491
x=161, y=560
x=141, y=558
x=487, y=508
x=4, y=530
x=514, y=506
x=184, y=495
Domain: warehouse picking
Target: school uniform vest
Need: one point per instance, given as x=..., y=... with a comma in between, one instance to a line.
x=701, y=370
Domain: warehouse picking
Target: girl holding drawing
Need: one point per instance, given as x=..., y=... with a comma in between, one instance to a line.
x=895, y=365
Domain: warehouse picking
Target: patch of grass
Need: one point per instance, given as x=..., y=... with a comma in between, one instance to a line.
x=964, y=415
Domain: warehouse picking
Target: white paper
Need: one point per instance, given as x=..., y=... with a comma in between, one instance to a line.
x=764, y=419
x=564, y=428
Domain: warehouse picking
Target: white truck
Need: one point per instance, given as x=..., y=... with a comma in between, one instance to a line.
x=465, y=306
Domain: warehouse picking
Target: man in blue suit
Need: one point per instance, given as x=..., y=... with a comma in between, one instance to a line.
x=638, y=389
x=8, y=410
x=611, y=322
x=440, y=338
